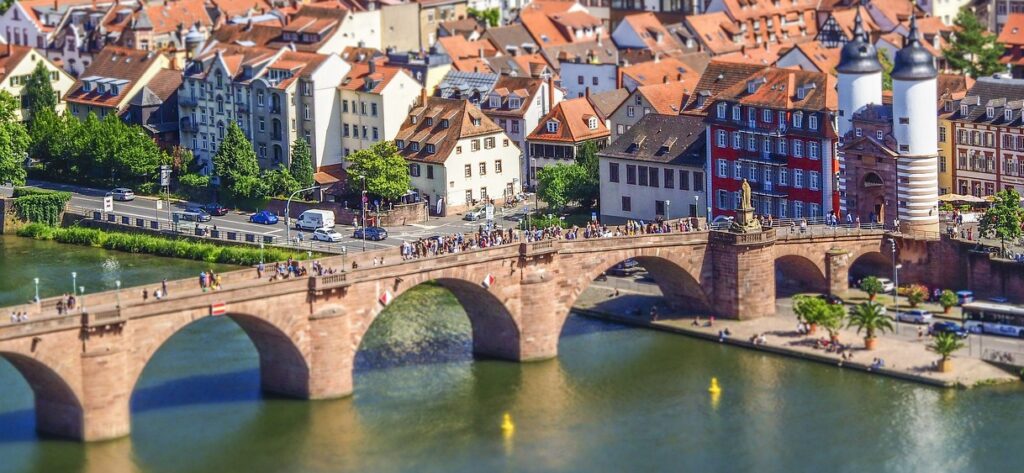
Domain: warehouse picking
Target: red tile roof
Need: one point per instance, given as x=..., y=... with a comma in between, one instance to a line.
x=572, y=117
x=650, y=30
x=357, y=77
x=464, y=120
x=659, y=71
x=10, y=56
x=779, y=88
x=1013, y=31
x=714, y=31
x=719, y=76
x=667, y=98
x=113, y=62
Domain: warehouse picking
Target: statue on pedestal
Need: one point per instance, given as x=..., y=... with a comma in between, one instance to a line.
x=745, y=221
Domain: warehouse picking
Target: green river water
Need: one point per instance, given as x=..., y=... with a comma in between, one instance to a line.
x=617, y=399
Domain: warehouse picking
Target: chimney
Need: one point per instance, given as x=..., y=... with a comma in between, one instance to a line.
x=373, y=66
x=657, y=58
x=618, y=78
x=664, y=79
x=586, y=92
x=551, y=92
x=679, y=77
x=423, y=96
x=480, y=51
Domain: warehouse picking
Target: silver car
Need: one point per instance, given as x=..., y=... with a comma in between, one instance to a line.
x=915, y=316
x=122, y=193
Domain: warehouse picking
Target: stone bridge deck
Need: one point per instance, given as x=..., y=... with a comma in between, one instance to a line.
x=83, y=366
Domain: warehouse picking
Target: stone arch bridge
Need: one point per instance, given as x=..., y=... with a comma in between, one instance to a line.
x=83, y=366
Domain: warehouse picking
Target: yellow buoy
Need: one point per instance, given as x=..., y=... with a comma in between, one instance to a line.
x=506, y=424
x=714, y=389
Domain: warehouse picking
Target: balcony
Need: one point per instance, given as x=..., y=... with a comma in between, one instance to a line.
x=188, y=125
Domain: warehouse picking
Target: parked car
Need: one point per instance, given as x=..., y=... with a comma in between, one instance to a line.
x=189, y=216
x=473, y=215
x=122, y=193
x=948, y=327
x=914, y=316
x=887, y=285
x=315, y=218
x=201, y=215
x=626, y=268
x=326, y=234
x=216, y=209
x=263, y=217
x=372, y=233
x=831, y=299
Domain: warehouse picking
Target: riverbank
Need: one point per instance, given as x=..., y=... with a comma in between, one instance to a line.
x=156, y=245
x=907, y=360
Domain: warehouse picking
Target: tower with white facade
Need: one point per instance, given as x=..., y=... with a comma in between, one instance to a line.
x=860, y=76
x=915, y=128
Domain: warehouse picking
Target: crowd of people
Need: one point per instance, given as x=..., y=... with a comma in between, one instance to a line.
x=19, y=317
x=66, y=304
x=455, y=243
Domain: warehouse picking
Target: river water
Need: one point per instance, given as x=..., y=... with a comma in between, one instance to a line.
x=617, y=399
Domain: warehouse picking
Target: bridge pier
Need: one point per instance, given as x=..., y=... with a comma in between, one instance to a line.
x=106, y=387
x=744, y=266
x=332, y=356
x=540, y=315
x=837, y=270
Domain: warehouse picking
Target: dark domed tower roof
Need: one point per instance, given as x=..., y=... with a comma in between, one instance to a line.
x=858, y=55
x=913, y=62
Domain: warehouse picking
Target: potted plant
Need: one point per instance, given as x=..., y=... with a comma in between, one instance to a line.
x=832, y=319
x=809, y=309
x=947, y=299
x=870, y=318
x=916, y=294
x=872, y=286
x=945, y=343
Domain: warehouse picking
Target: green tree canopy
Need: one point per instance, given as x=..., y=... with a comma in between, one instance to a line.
x=556, y=184
x=587, y=188
x=237, y=167
x=491, y=16
x=301, y=168
x=39, y=91
x=1003, y=218
x=385, y=170
x=14, y=142
x=973, y=49
x=886, y=62
x=280, y=182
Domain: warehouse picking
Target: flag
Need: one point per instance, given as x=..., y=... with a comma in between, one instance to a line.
x=488, y=280
x=385, y=298
x=218, y=308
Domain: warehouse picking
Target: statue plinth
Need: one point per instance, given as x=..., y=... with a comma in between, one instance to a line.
x=744, y=222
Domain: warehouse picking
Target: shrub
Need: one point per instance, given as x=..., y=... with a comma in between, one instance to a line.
x=947, y=299
x=156, y=245
x=916, y=294
x=35, y=205
x=872, y=286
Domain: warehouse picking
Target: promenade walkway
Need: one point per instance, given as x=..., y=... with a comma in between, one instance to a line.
x=905, y=359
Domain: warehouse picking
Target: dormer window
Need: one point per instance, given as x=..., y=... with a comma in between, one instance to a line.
x=592, y=123
x=476, y=122
x=552, y=126
x=414, y=146
x=430, y=148
x=514, y=103
x=963, y=110
x=86, y=86
x=400, y=144
x=413, y=119
x=495, y=101
x=429, y=121
x=736, y=115
x=990, y=112
x=444, y=123
x=1008, y=114
x=721, y=110
x=812, y=122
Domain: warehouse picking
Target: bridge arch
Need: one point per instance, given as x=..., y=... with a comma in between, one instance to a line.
x=495, y=329
x=284, y=369
x=677, y=274
x=58, y=409
x=797, y=273
x=870, y=263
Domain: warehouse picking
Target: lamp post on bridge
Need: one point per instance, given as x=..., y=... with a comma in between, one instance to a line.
x=74, y=282
x=39, y=302
x=118, y=293
x=81, y=302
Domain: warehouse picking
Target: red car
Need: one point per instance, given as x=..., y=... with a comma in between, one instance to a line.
x=216, y=210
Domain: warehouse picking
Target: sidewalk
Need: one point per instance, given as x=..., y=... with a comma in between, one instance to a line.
x=909, y=360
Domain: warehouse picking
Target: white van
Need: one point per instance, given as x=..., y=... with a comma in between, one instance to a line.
x=314, y=219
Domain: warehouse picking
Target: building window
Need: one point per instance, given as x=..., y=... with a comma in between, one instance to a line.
x=698, y=181
x=670, y=181
x=627, y=205
x=653, y=173
x=767, y=116
x=904, y=121
x=684, y=180
x=458, y=150
x=751, y=143
x=376, y=134
x=630, y=111
x=344, y=132
x=722, y=200
x=483, y=169
x=429, y=148
x=643, y=174
x=497, y=166
x=736, y=115
x=720, y=138
x=430, y=172
x=721, y=110
x=798, y=178
x=812, y=149
x=613, y=172
x=468, y=170
x=737, y=140
x=858, y=131
x=552, y=126
x=414, y=170
x=737, y=170
x=469, y=196
x=631, y=174
x=812, y=122
x=798, y=148
x=783, y=177
x=373, y=109
x=488, y=143
x=798, y=119
x=723, y=168
x=814, y=180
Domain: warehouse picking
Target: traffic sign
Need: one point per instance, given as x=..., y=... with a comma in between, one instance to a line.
x=218, y=308
x=489, y=212
x=108, y=203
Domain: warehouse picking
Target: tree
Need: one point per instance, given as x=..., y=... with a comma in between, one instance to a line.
x=384, y=169
x=947, y=300
x=587, y=187
x=974, y=50
x=555, y=183
x=39, y=91
x=810, y=309
x=237, y=167
x=871, y=319
x=301, y=170
x=1003, y=218
x=945, y=343
x=916, y=294
x=280, y=182
x=832, y=319
x=14, y=142
x=872, y=286
x=491, y=16
x=886, y=62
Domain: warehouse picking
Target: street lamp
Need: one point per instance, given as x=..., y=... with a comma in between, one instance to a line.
x=287, y=211
x=81, y=303
x=118, y=284
x=74, y=282
x=668, y=214
x=261, y=251
x=344, y=251
x=362, y=211
x=38, y=301
x=896, y=293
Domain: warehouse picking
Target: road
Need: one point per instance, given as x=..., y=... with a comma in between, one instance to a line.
x=238, y=221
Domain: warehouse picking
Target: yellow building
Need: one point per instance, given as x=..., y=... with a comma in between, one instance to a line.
x=17, y=64
x=946, y=135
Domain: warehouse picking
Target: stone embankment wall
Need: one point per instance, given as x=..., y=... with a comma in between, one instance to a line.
x=404, y=214
x=958, y=264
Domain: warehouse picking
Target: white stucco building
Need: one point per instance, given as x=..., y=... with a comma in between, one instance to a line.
x=374, y=103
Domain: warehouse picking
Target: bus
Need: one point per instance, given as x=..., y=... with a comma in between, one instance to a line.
x=994, y=318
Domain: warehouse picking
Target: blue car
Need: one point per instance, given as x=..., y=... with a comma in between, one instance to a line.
x=948, y=327
x=264, y=217
x=372, y=233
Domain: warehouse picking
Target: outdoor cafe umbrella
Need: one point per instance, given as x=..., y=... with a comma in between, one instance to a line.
x=960, y=198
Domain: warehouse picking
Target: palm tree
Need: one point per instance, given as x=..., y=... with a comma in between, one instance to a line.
x=870, y=317
x=945, y=344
